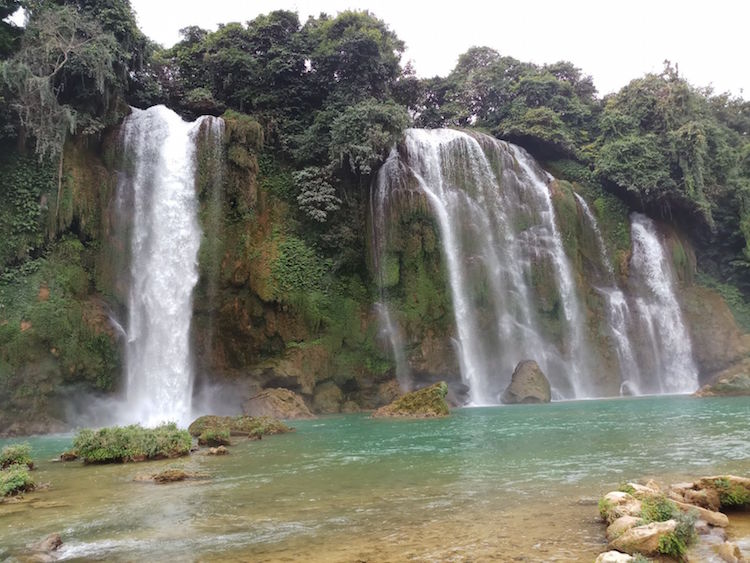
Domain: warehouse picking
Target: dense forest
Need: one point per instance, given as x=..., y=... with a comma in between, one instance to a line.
x=314, y=108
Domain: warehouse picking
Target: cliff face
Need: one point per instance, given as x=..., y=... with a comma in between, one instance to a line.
x=274, y=307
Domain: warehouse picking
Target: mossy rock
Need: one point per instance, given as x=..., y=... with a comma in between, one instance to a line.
x=251, y=426
x=423, y=403
x=214, y=437
x=15, y=480
x=120, y=444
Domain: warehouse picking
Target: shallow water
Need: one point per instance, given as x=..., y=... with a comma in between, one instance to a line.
x=502, y=483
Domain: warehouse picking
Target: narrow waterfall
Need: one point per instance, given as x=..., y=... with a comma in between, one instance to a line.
x=379, y=205
x=618, y=311
x=498, y=234
x=667, y=351
x=159, y=183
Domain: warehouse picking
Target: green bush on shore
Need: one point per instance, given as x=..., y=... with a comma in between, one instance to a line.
x=16, y=454
x=15, y=479
x=120, y=444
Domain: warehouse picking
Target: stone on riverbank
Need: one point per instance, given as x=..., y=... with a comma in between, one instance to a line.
x=613, y=557
x=527, y=385
x=644, y=539
x=250, y=426
x=424, y=403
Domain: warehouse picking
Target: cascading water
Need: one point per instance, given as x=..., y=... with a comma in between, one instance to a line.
x=159, y=184
x=618, y=311
x=668, y=351
x=498, y=233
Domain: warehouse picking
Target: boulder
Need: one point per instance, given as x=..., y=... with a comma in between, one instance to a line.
x=327, y=398
x=643, y=539
x=731, y=382
x=613, y=557
x=221, y=450
x=170, y=476
x=277, y=403
x=730, y=552
x=621, y=525
x=709, y=516
x=528, y=385
x=251, y=426
x=423, y=403
x=350, y=407
x=49, y=544
x=732, y=491
x=617, y=504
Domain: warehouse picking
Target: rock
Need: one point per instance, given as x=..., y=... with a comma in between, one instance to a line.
x=733, y=491
x=70, y=455
x=528, y=385
x=643, y=539
x=617, y=504
x=251, y=426
x=221, y=450
x=730, y=553
x=613, y=557
x=350, y=407
x=620, y=526
x=277, y=403
x=170, y=476
x=49, y=544
x=711, y=517
x=423, y=403
x=327, y=398
x=705, y=498
x=731, y=382
x=388, y=392
x=643, y=491
x=214, y=438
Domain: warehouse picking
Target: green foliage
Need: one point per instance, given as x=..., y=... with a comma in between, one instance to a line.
x=252, y=426
x=658, y=508
x=626, y=488
x=298, y=268
x=605, y=507
x=731, y=495
x=635, y=163
x=675, y=544
x=365, y=132
x=15, y=479
x=316, y=196
x=119, y=444
x=16, y=454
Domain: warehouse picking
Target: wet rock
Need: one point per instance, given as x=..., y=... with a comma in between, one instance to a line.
x=613, y=557
x=327, y=398
x=620, y=526
x=49, y=544
x=731, y=382
x=643, y=539
x=221, y=450
x=277, y=403
x=251, y=426
x=70, y=455
x=730, y=552
x=214, y=438
x=170, y=476
x=388, y=391
x=350, y=407
x=617, y=504
x=709, y=516
x=528, y=385
x=423, y=403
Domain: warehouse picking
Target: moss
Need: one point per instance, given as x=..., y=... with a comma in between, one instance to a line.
x=214, y=437
x=119, y=444
x=734, y=298
x=16, y=454
x=423, y=403
x=626, y=488
x=731, y=495
x=238, y=425
x=657, y=508
x=14, y=480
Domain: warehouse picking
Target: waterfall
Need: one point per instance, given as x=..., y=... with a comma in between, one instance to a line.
x=668, y=351
x=159, y=184
x=618, y=310
x=498, y=232
x=379, y=207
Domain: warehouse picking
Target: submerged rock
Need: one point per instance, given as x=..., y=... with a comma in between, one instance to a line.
x=221, y=450
x=171, y=476
x=278, y=403
x=528, y=385
x=423, y=403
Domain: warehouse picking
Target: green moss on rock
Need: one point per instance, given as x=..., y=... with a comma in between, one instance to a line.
x=251, y=426
x=423, y=403
x=120, y=444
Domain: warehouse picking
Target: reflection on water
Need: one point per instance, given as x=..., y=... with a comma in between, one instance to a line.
x=485, y=483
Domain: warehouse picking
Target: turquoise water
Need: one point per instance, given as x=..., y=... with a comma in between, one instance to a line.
x=487, y=482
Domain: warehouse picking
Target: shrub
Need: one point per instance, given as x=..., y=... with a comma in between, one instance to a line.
x=657, y=508
x=119, y=444
x=675, y=544
x=731, y=495
x=16, y=454
x=15, y=479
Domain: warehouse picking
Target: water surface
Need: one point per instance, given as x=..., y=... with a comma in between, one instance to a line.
x=501, y=483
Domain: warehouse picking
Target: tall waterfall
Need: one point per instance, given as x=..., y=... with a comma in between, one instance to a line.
x=498, y=232
x=159, y=184
x=667, y=350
